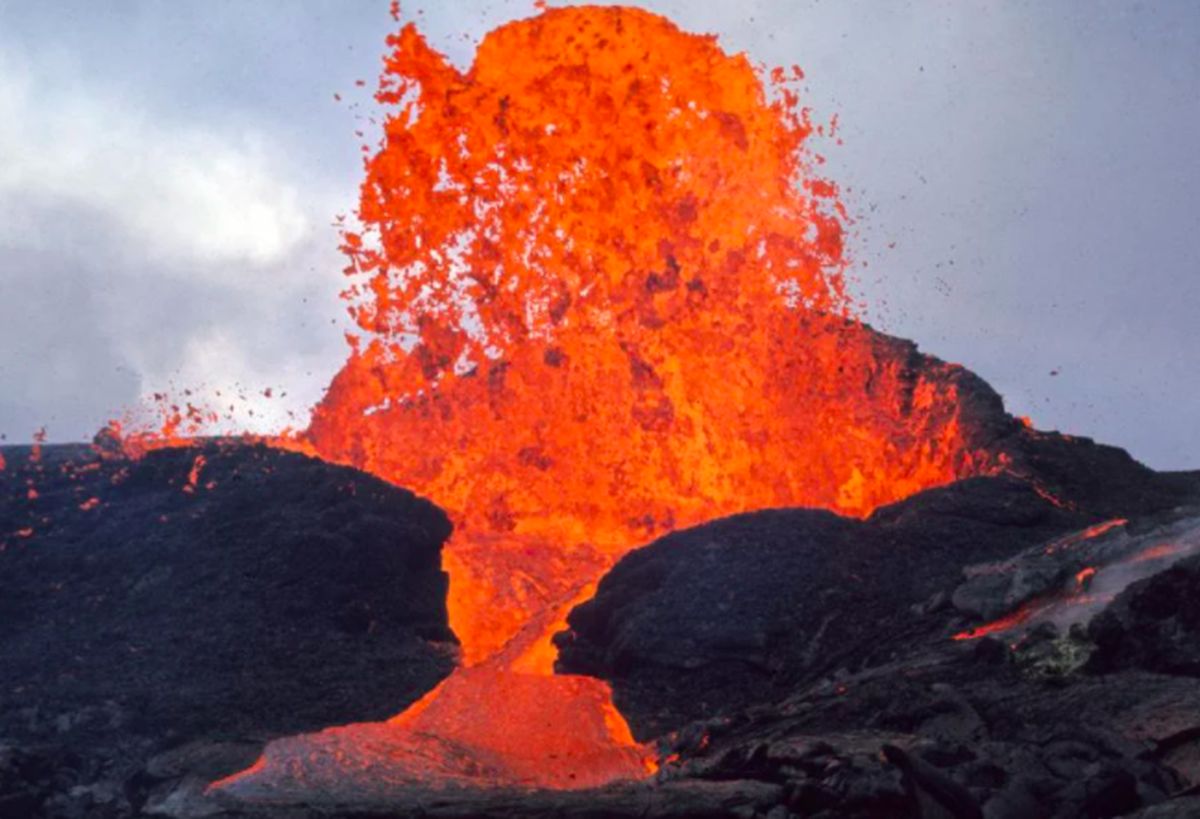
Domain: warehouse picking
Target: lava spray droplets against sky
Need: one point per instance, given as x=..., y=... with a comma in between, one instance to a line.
x=601, y=294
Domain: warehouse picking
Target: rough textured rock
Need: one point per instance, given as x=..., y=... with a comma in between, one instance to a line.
x=807, y=650
x=1100, y=480
x=205, y=599
x=742, y=610
x=1186, y=807
x=1153, y=624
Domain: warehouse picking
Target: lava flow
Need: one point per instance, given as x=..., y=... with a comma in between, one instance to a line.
x=1115, y=559
x=601, y=296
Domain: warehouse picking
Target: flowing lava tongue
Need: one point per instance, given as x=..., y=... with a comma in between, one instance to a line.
x=601, y=297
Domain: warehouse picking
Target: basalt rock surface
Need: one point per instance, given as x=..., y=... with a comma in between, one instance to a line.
x=961, y=735
x=161, y=618
x=1153, y=624
x=742, y=610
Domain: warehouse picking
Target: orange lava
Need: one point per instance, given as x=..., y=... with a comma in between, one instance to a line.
x=600, y=293
x=1160, y=552
x=193, y=477
x=1093, y=585
x=1006, y=623
x=581, y=736
x=602, y=298
x=1090, y=533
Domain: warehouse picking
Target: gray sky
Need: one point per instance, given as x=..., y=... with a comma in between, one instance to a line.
x=1025, y=178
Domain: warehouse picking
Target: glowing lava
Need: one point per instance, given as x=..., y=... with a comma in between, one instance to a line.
x=601, y=297
x=1115, y=560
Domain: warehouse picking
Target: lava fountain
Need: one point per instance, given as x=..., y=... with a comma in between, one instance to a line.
x=600, y=288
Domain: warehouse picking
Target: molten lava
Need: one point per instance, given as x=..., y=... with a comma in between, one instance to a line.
x=1122, y=559
x=601, y=297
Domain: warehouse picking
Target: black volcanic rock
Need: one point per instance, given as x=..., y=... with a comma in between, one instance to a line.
x=812, y=651
x=942, y=738
x=223, y=593
x=1099, y=480
x=1153, y=624
x=742, y=610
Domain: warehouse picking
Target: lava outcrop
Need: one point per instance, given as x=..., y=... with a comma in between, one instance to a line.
x=989, y=648
x=164, y=616
x=742, y=609
x=1154, y=624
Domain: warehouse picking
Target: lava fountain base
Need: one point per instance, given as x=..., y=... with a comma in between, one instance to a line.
x=481, y=728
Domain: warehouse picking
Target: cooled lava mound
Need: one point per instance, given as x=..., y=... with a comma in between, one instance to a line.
x=745, y=609
x=200, y=601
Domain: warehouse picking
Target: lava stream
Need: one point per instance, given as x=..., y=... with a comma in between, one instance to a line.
x=1116, y=560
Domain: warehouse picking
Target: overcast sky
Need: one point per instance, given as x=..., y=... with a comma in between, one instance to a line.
x=1025, y=177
